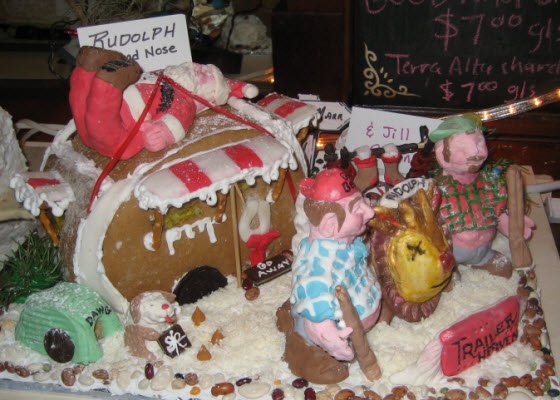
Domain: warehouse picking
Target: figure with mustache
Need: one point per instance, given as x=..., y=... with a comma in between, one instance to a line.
x=473, y=195
x=332, y=255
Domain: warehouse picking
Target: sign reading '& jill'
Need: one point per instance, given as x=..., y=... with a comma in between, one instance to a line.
x=455, y=53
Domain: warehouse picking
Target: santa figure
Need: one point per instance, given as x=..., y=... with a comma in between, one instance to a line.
x=108, y=93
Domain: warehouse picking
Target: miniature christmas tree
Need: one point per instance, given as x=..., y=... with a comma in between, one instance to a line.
x=33, y=267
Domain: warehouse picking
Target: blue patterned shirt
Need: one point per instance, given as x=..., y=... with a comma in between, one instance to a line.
x=322, y=265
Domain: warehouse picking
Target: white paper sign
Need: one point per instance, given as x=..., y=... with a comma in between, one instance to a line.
x=376, y=128
x=403, y=190
x=333, y=116
x=154, y=43
x=308, y=97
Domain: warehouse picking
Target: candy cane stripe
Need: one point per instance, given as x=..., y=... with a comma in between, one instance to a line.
x=243, y=156
x=191, y=175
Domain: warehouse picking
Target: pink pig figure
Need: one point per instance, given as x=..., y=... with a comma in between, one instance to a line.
x=108, y=93
x=333, y=254
x=473, y=195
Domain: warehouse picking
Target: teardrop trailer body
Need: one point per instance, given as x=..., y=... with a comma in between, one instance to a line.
x=65, y=323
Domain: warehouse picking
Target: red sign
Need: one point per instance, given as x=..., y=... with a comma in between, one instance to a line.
x=478, y=336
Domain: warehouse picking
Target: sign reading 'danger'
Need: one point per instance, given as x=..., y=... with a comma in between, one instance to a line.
x=376, y=128
x=478, y=336
x=154, y=43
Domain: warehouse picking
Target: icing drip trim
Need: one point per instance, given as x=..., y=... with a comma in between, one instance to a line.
x=174, y=234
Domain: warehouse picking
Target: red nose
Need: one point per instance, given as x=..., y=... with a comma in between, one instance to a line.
x=447, y=261
x=165, y=306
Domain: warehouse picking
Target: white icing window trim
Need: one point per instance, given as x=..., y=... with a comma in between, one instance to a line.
x=172, y=235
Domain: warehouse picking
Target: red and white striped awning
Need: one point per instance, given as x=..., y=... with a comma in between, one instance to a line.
x=203, y=174
x=298, y=113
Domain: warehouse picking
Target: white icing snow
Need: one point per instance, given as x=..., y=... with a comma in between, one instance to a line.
x=12, y=234
x=11, y=158
x=253, y=346
x=12, y=229
x=57, y=196
x=400, y=344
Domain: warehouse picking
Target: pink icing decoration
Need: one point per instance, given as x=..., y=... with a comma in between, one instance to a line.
x=38, y=182
x=478, y=336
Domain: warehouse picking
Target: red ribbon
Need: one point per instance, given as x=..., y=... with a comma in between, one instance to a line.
x=218, y=109
x=122, y=147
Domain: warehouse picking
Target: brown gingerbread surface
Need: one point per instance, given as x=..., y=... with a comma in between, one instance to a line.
x=129, y=265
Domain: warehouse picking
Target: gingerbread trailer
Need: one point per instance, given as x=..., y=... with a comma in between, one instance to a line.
x=65, y=323
x=223, y=197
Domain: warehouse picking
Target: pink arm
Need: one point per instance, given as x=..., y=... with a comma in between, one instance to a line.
x=326, y=335
x=503, y=226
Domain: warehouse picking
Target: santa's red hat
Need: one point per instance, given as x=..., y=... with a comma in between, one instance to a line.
x=242, y=89
x=329, y=185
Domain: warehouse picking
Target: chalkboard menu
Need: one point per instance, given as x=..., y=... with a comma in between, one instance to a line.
x=454, y=53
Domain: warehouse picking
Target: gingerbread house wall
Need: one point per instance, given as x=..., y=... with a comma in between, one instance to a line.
x=131, y=268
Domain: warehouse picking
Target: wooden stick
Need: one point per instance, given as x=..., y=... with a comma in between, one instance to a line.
x=235, y=228
x=364, y=354
x=157, y=228
x=220, y=208
x=48, y=225
x=302, y=134
x=240, y=194
x=277, y=189
x=520, y=253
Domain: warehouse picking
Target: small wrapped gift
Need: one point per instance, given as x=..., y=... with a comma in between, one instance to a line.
x=174, y=341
